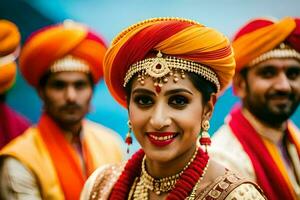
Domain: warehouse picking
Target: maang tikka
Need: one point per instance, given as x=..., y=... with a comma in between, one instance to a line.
x=128, y=139
x=160, y=69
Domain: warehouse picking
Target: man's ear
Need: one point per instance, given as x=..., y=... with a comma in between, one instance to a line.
x=239, y=85
x=209, y=107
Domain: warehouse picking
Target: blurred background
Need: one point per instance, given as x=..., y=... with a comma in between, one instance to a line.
x=109, y=17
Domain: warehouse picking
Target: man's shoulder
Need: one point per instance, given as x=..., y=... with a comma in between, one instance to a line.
x=27, y=139
x=94, y=128
x=92, y=125
x=223, y=134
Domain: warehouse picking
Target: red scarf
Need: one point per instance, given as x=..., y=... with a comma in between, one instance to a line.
x=183, y=186
x=64, y=158
x=267, y=172
x=12, y=124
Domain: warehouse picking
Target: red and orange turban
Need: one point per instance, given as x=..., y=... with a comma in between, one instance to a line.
x=9, y=43
x=262, y=35
x=47, y=45
x=175, y=37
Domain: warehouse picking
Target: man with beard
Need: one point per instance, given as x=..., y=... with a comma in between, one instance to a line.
x=258, y=139
x=53, y=159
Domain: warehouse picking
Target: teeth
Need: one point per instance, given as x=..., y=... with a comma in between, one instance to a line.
x=161, y=138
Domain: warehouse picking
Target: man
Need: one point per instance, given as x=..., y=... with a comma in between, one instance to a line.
x=258, y=139
x=12, y=123
x=53, y=159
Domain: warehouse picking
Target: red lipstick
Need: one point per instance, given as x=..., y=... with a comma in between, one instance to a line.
x=161, y=139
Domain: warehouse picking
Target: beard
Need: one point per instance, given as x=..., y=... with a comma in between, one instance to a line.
x=273, y=114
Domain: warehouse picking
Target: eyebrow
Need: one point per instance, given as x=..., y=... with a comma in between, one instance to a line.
x=141, y=90
x=169, y=92
x=178, y=91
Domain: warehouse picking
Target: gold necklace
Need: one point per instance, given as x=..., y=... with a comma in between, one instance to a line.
x=146, y=182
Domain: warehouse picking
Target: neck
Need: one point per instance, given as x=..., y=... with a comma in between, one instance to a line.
x=273, y=133
x=70, y=130
x=169, y=168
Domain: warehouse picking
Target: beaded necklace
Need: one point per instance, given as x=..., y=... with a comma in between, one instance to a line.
x=183, y=187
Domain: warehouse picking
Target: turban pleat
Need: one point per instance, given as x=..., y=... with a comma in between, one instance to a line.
x=49, y=44
x=182, y=39
x=260, y=36
x=9, y=43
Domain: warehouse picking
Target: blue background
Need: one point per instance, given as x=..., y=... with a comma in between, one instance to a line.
x=110, y=17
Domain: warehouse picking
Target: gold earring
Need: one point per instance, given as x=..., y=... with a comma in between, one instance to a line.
x=128, y=139
x=205, y=138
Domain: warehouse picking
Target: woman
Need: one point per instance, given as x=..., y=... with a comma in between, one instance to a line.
x=168, y=72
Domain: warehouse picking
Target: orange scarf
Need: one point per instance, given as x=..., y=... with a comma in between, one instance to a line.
x=271, y=176
x=64, y=158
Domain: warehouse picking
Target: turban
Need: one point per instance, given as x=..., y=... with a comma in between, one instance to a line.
x=52, y=43
x=262, y=35
x=176, y=37
x=9, y=43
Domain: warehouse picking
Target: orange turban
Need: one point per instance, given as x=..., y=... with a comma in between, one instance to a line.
x=52, y=43
x=9, y=43
x=262, y=35
x=180, y=38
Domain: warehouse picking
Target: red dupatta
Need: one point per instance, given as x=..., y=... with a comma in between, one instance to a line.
x=267, y=172
x=12, y=124
x=64, y=158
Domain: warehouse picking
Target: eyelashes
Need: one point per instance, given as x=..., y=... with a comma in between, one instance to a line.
x=176, y=101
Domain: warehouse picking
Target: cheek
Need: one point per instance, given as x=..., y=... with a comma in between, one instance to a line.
x=190, y=120
x=86, y=96
x=53, y=98
x=137, y=117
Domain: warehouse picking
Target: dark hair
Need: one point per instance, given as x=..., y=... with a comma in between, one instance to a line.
x=201, y=84
x=44, y=79
x=244, y=72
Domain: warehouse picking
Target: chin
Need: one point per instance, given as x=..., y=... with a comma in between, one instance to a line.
x=160, y=155
x=71, y=120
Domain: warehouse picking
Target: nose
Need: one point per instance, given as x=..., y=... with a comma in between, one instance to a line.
x=70, y=94
x=160, y=117
x=282, y=83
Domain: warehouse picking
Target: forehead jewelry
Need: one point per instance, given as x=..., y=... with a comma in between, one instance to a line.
x=160, y=68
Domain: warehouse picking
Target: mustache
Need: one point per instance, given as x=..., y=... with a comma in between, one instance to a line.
x=72, y=106
x=288, y=95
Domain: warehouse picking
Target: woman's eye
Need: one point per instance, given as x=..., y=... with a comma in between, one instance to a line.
x=143, y=100
x=178, y=101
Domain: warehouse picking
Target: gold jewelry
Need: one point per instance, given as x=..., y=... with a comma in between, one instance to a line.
x=160, y=67
x=128, y=138
x=196, y=187
x=283, y=51
x=204, y=137
x=70, y=63
x=162, y=185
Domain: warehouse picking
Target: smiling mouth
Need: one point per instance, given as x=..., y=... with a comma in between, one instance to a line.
x=161, y=138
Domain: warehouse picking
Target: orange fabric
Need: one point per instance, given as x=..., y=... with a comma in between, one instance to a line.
x=295, y=136
x=7, y=76
x=9, y=37
x=54, y=42
x=253, y=39
x=65, y=159
x=9, y=42
x=280, y=164
x=100, y=147
x=176, y=37
x=31, y=151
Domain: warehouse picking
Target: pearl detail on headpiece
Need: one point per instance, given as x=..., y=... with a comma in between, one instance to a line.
x=160, y=67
